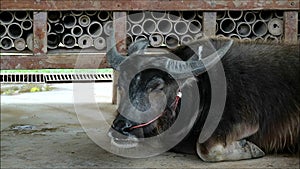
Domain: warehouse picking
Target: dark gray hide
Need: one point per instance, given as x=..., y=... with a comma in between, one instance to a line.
x=262, y=109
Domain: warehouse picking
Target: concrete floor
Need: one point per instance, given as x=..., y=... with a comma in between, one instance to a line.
x=52, y=136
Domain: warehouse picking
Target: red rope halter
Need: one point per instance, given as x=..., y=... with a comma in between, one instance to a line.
x=174, y=105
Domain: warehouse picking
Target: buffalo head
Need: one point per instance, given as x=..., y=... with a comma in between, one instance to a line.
x=150, y=87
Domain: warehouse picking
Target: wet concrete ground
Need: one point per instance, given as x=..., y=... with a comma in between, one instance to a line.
x=42, y=130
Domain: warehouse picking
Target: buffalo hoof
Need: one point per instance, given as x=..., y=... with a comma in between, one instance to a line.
x=237, y=150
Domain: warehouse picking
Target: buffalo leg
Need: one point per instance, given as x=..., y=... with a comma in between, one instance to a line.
x=230, y=145
x=237, y=150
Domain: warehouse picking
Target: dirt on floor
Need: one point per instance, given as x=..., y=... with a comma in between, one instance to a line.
x=42, y=130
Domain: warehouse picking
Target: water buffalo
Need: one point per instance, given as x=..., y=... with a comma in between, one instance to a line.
x=262, y=105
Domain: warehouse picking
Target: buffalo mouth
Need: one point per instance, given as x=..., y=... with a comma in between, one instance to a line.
x=123, y=141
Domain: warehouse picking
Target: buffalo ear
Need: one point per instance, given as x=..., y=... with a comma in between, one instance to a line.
x=138, y=46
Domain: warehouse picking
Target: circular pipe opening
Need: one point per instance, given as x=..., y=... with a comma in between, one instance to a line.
x=53, y=40
x=85, y=41
x=266, y=15
x=21, y=15
x=84, y=20
x=54, y=16
x=250, y=17
x=188, y=15
x=235, y=15
x=243, y=29
x=227, y=25
x=69, y=21
x=140, y=37
x=26, y=24
x=195, y=26
x=158, y=15
x=95, y=29
x=14, y=30
x=186, y=39
x=20, y=44
x=90, y=13
x=275, y=26
x=221, y=15
x=172, y=40
x=259, y=28
x=6, y=17
x=156, y=39
x=137, y=29
x=136, y=17
x=6, y=43
x=99, y=43
x=108, y=27
x=174, y=15
x=149, y=26
x=103, y=15
x=69, y=41
x=3, y=30
x=58, y=28
x=77, y=13
x=181, y=27
x=164, y=26
x=77, y=31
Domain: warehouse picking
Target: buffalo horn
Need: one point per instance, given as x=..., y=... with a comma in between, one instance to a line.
x=114, y=58
x=184, y=68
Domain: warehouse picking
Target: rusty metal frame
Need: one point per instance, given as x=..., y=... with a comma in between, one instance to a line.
x=121, y=5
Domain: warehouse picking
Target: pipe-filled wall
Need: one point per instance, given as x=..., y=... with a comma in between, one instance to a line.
x=15, y=28
x=251, y=25
x=89, y=29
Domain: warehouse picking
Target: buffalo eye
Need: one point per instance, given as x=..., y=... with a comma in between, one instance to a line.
x=156, y=84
